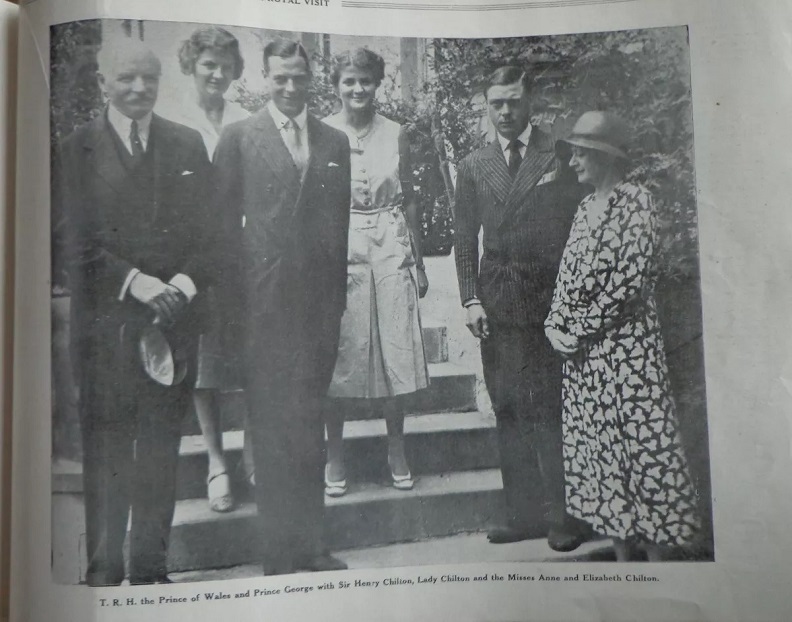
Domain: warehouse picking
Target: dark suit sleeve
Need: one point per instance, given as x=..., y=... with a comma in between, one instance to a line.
x=92, y=265
x=202, y=222
x=344, y=203
x=467, y=225
x=227, y=210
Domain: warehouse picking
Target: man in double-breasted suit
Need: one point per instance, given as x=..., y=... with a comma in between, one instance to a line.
x=129, y=214
x=508, y=189
x=283, y=185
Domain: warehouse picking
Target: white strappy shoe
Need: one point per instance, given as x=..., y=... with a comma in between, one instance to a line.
x=334, y=489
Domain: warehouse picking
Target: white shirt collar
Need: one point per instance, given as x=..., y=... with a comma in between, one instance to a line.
x=524, y=137
x=122, y=124
x=281, y=119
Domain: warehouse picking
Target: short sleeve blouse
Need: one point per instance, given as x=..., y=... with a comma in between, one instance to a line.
x=374, y=162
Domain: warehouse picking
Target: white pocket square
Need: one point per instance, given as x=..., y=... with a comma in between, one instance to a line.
x=187, y=173
x=547, y=178
x=332, y=165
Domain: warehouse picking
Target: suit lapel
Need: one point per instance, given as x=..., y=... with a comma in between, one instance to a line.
x=105, y=159
x=495, y=170
x=162, y=154
x=539, y=155
x=274, y=152
x=317, y=158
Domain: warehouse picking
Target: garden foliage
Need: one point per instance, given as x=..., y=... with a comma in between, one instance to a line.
x=641, y=74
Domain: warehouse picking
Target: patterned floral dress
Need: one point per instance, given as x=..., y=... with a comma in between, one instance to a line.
x=626, y=473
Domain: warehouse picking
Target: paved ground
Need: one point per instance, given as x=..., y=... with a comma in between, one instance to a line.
x=459, y=549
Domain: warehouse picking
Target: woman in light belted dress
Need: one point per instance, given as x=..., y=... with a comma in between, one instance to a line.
x=381, y=354
x=211, y=56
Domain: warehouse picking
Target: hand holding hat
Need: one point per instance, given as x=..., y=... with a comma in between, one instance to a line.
x=165, y=300
x=162, y=361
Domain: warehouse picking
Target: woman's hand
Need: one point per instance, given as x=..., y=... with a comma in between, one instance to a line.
x=423, y=282
x=566, y=345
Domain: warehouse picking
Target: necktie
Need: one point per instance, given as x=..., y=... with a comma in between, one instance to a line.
x=515, y=159
x=135, y=142
x=293, y=140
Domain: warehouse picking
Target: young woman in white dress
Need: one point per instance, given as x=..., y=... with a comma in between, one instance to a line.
x=381, y=354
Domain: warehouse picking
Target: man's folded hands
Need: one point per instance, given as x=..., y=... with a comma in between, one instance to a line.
x=165, y=300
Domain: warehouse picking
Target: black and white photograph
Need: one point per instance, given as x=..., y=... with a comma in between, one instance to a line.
x=325, y=302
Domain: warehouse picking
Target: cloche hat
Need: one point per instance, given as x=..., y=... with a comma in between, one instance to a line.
x=603, y=131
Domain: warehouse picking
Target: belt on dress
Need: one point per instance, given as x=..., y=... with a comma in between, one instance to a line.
x=377, y=210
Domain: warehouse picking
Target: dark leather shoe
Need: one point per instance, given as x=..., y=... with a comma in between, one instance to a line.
x=507, y=534
x=564, y=540
x=158, y=580
x=102, y=579
x=271, y=569
x=321, y=563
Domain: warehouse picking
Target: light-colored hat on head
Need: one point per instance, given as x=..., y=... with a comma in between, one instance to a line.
x=602, y=131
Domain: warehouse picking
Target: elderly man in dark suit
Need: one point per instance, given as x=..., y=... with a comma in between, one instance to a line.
x=282, y=183
x=508, y=189
x=128, y=188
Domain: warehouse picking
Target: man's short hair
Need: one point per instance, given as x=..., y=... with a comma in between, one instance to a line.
x=508, y=74
x=285, y=48
x=110, y=53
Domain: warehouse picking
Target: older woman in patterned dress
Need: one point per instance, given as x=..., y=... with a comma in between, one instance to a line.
x=626, y=473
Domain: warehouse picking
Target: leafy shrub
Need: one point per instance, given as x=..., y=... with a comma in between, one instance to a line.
x=643, y=75
x=75, y=96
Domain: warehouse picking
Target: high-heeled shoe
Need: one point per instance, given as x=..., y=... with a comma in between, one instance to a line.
x=403, y=482
x=218, y=490
x=334, y=489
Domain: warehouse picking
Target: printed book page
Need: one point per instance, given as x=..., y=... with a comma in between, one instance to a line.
x=401, y=310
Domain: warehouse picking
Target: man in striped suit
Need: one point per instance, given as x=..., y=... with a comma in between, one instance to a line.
x=509, y=189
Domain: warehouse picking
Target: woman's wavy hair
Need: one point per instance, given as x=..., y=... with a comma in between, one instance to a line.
x=359, y=58
x=209, y=38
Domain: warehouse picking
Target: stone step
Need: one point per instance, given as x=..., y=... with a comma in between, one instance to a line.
x=465, y=548
x=452, y=388
x=435, y=443
x=368, y=515
x=435, y=342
